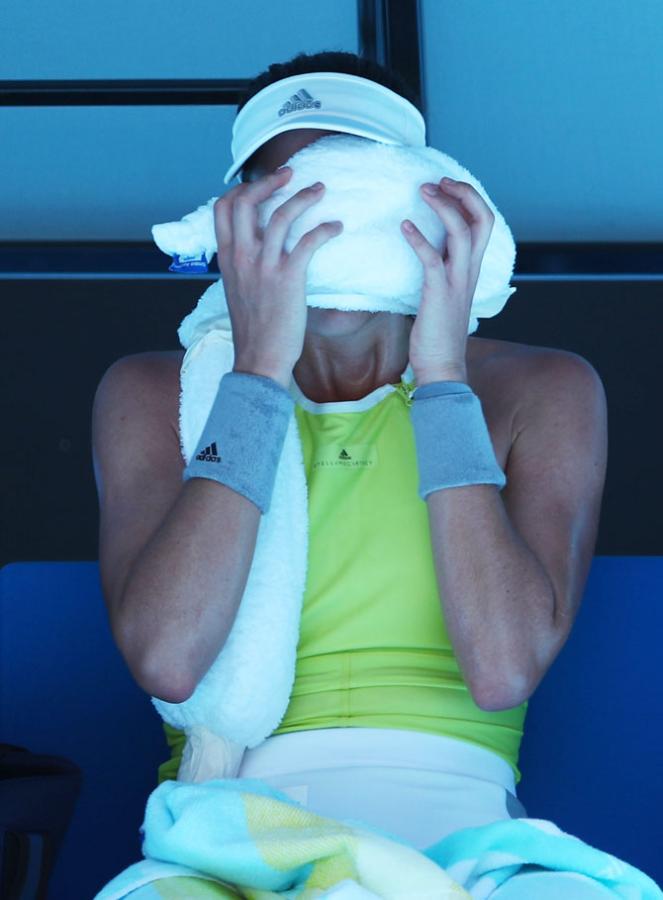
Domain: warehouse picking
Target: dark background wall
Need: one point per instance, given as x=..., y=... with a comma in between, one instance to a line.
x=61, y=335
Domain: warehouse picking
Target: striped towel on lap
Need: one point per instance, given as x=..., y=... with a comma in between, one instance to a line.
x=239, y=837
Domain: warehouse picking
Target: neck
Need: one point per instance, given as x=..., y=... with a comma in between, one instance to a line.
x=348, y=354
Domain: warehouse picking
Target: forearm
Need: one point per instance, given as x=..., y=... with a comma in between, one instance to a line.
x=498, y=602
x=183, y=591
x=497, y=599
x=184, y=594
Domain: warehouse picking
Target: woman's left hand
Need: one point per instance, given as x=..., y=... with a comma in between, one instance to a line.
x=438, y=338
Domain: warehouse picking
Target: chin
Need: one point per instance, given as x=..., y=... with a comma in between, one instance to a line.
x=335, y=321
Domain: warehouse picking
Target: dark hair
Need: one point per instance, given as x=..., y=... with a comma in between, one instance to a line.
x=327, y=61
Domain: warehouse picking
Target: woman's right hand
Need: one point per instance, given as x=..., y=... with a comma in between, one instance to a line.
x=265, y=287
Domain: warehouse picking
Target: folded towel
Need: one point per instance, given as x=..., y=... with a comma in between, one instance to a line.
x=243, y=696
x=372, y=187
x=253, y=837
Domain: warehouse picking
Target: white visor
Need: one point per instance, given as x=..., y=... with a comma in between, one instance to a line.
x=331, y=101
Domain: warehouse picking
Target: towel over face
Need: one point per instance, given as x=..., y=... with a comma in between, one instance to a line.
x=370, y=187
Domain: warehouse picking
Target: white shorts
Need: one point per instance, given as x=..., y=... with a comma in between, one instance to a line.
x=413, y=785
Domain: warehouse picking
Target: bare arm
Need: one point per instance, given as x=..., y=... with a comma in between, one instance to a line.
x=512, y=567
x=174, y=556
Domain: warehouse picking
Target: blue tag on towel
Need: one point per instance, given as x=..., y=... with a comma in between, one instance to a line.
x=183, y=263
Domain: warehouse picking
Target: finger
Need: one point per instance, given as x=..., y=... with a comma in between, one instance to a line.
x=309, y=243
x=459, y=236
x=477, y=212
x=472, y=204
x=223, y=225
x=244, y=210
x=474, y=210
x=429, y=256
x=281, y=220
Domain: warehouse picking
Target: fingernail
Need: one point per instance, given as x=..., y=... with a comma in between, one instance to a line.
x=430, y=188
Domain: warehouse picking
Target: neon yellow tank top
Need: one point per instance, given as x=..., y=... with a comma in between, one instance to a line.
x=373, y=648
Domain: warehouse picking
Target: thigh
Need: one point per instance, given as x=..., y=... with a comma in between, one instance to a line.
x=551, y=885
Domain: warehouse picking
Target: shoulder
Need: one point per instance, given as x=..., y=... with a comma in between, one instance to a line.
x=151, y=377
x=528, y=372
x=523, y=385
x=152, y=367
x=512, y=359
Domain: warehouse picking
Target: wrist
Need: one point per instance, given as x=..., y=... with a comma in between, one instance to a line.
x=282, y=375
x=243, y=438
x=428, y=376
x=453, y=444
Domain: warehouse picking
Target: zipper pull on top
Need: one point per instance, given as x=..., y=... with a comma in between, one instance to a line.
x=406, y=390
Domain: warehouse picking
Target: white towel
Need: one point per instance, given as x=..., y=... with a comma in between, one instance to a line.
x=371, y=188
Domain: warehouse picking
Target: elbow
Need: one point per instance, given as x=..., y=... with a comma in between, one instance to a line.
x=147, y=668
x=496, y=697
x=164, y=683
x=170, y=696
x=163, y=687
x=167, y=684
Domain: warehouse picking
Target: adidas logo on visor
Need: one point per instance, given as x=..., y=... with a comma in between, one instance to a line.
x=301, y=100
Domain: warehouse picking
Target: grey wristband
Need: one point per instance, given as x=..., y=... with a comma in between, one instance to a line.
x=452, y=440
x=242, y=441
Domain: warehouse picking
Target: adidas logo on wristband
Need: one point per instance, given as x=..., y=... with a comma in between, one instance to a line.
x=209, y=454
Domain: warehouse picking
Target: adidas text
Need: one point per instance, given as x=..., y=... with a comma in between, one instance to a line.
x=301, y=100
x=209, y=454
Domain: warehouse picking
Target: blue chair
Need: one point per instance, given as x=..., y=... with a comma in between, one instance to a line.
x=590, y=759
